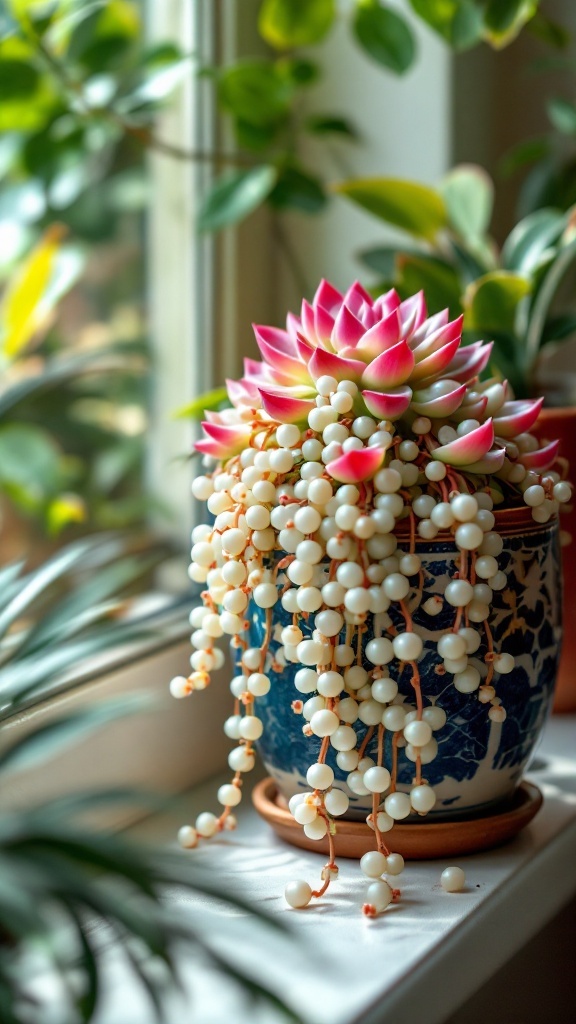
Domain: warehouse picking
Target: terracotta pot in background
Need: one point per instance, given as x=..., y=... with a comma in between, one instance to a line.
x=561, y=423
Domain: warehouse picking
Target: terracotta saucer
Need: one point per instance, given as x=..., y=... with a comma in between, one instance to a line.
x=414, y=842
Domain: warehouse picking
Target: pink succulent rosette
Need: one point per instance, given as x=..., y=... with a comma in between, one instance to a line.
x=363, y=413
x=404, y=363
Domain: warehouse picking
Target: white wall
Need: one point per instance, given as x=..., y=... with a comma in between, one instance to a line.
x=405, y=128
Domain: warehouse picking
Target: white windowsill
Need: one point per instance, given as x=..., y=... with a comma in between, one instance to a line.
x=419, y=961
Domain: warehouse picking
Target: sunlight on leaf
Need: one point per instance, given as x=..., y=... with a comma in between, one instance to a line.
x=21, y=312
x=415, y=208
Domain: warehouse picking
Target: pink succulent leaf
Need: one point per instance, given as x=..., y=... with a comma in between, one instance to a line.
x=491, y=463
x=285, y=408
x=469, y=448
x=290, y=368
x=390, y=368
x=224, y=441
x=324, y=325
x=329, y=363
x=227, y=433
x=254, y=370
x=242, y=392
x=466, y=369
x=412, y=313
x=356, y=296
x=328, y=297
x=367, y=315
x=347, y=330
x=438, y=339
x=213, y=449
x=386, y=303
x=428, y=403
x=496, y=392
x=542, y=458
x=517, y=417
x=228, y=416
x=357, y=465
x=293, y=324
x=305, y=349
x=434, y=365
x=384, y=335
x=476, y=410
x=429, y=326
x=388, y=405
x=308, y=328
x=276, y=337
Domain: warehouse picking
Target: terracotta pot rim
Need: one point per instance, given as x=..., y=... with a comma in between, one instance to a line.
x=561, y=412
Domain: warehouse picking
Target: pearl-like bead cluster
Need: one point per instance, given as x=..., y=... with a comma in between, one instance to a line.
x=284, y=531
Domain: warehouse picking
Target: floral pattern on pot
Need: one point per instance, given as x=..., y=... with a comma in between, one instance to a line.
x=479, y=761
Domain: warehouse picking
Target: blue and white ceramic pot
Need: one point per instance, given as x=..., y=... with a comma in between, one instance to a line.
x=479, y=762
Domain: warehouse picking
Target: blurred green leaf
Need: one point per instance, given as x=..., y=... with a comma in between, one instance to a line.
x=384, y=35
x=255, y=92
x=159, y=83
x=235, y=196
x=253, y=137
x=438, y=280
x=29, y=459
x=93, y=599
x=298, y=190
x=104, y=35
x=543, y=299
x=381, y=259
x=285, y=24
x=503, y=19
x=113, y=464
x=18, y=80
x=525, y=152
x=530, y=238
x=209, y=400
x=21, y=310
x=540, y=186
x=491, y=302
x=52, y=738
x=408, y=205
x=507, y=356
x=562, y=114
x=559, y=327
x=459, y=22
x=61, y=370
x=298, y=70
x=467, y=264
x=550, y=32
x=27, y=98
x=468, y=193
x=330, y=124
x=64, y=510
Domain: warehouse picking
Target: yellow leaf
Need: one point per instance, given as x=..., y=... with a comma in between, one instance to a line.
x=21, y=312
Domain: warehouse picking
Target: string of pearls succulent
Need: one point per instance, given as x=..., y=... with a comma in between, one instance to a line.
x=337, y=555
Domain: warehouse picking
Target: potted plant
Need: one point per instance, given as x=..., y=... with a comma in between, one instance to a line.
x=512, y=294
x=383, y=556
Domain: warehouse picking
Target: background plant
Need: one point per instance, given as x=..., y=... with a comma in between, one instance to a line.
x=62, y=878
x=81, y=91
x=79, y=94
x=506, y=294
x=265, y=98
